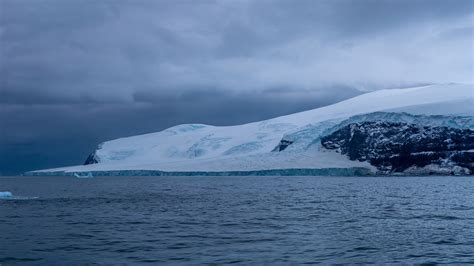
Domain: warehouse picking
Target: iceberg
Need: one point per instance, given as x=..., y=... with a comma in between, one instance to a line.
x=5, y=194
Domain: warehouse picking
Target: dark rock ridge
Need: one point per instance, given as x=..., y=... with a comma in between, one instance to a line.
x=91, y=159
x=283, y=145
x=311, y=134
x=404, y=147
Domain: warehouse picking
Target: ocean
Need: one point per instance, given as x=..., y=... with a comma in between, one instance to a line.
x=243, y=220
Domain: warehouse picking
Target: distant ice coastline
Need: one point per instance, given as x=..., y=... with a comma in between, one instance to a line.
x=425, y=130
x=356, y=171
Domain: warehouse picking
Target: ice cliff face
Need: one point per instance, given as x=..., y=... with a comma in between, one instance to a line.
x=398, y=146
x=287, y=142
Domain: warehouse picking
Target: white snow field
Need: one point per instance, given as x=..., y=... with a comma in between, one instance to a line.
x=252, y=146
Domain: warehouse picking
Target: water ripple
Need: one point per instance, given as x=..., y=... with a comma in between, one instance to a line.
x=238, y=220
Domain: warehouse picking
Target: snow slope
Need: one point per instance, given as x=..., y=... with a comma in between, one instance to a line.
x=198, y=147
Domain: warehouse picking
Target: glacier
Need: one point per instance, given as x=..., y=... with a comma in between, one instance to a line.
x=286, y=145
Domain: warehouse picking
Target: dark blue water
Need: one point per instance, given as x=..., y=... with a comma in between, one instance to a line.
x=248, y=220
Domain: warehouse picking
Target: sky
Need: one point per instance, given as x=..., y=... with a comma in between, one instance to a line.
x=74, y=73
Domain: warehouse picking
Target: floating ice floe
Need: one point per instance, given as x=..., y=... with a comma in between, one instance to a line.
x=7, y=195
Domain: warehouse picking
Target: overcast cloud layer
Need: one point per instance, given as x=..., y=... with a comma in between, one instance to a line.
x=75, y=73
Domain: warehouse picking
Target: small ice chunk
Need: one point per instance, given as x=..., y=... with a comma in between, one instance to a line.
x=5, y=194
x=81, y=175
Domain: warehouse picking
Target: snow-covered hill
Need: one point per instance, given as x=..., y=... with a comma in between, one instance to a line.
x=286, y=142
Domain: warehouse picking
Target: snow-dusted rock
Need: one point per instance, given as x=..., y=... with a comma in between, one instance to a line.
x=396, y=146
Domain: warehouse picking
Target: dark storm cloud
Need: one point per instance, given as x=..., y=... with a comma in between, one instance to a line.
x=111, y=49
x=84, y=71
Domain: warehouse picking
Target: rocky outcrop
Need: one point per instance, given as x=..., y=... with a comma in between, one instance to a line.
x=91, y=159
x=403, y=147
x=283, y=145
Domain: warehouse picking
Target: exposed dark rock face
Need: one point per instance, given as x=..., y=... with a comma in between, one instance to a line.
x=282, y=145
x=91, y=159
x=395, y=147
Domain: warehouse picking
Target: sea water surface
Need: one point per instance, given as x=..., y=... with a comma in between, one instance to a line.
x=247, y=220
